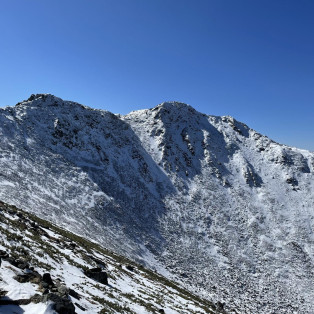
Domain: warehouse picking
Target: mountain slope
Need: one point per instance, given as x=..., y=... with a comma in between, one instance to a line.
x=84, y=277
x=205, y=200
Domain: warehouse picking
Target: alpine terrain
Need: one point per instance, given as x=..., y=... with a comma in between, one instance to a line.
x=48, y=270
x=203, y=200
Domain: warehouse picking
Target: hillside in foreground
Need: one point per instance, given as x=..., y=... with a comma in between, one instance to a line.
x=46, y=269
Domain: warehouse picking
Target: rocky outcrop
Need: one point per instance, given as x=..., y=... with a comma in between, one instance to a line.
x=97, y=274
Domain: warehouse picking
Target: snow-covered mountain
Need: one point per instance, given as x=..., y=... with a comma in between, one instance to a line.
x=204, y=200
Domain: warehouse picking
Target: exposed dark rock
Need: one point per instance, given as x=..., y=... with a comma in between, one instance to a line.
x=184, y=275
x=220, y=306
x=35, y=277
x=95, y=270
x=80, y=307
x=36, y=298
x=23, y=265
x=22, y=278
x=63, y=290
x=129, y=267
x=30, y=276
x=74, y=294
x=292, y=181
x=44, y=285
x=98, y=275
x=61, y=305
x=16, y=262
x=34, y=225
x=46, y=291
x=20, y=215
x=99, y=263
x=47, y=279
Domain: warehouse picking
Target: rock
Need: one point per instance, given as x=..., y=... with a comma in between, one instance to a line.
x=98, y=275
x=19, y=263
x=36, y=298
x=47, y=279
x=74, y=294
x=46, y=291
x=3, y=254
x=99, y=263
x=44, y=285
x=80, y=307
x=28, y=276
x=34, y=225
x=63, y=290
x=129, y=267
x=292, y=181
x=21, y=278
x=11, y=260
x=23, y=265
x=220, y=306
x=61, y=305
x=161, y=311
x=35, y=278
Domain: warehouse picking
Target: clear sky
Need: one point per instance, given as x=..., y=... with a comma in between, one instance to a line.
x=253, y=60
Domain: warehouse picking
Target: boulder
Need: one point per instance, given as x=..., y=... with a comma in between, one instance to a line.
x=129, y=267
x=22, y=278
x=74, y=294
x=3, y=254
x=220, y=306
x=63, y=290
x=47, y=279
x=36, y=298
x=98, y=275
x=61, y=305
x=28, y=276
x=80, y=307
x=22, y=265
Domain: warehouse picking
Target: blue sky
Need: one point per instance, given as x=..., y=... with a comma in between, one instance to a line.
x=253, y=60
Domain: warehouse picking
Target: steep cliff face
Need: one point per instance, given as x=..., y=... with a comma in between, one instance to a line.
x=201, y=198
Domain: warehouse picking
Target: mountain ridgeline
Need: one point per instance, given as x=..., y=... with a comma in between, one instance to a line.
x=204, y=200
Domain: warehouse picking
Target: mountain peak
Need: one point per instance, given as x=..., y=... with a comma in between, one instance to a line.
x=173, y=110
x=49, y=100
x=174, y=105
x=41, y=98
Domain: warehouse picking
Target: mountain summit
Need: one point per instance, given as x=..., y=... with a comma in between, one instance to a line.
x=204, y=200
